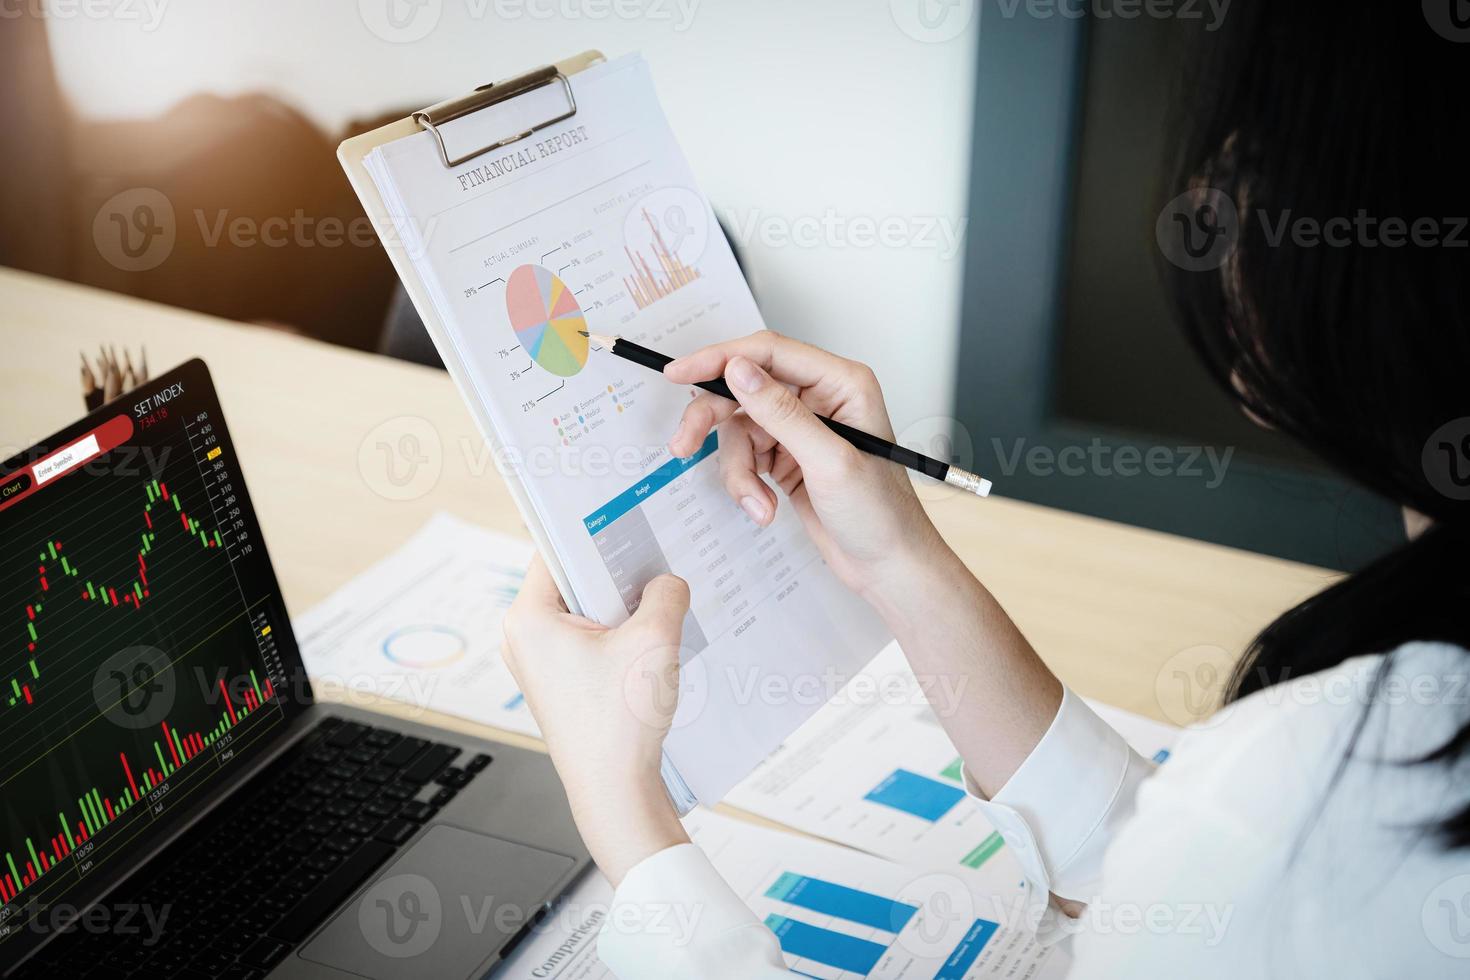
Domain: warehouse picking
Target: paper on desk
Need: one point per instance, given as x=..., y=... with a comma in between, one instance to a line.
x=423, y=625
x=874, y=770
x=837, y=912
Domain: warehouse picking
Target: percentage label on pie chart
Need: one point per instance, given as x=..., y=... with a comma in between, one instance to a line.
x=546, y=319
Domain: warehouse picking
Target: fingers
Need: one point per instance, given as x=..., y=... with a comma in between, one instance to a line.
x=830, y=385
x=662, y=609
x=741, y=463
x=703, y=413
x=777, y=410
x=789, y=360
x=539, y=592
x=537, y=599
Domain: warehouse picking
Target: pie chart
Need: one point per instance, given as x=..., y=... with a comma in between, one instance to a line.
x=546, y=319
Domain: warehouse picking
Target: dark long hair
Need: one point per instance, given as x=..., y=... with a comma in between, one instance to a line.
x=1359, y=349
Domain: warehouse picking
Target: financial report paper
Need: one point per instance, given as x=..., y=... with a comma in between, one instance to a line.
x=596, y=224
x=837, y=913
x=875, y=770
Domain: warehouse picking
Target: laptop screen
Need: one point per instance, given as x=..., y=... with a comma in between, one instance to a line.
x=145, y=651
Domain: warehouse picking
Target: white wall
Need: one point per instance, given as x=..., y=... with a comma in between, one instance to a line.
x=800, y=118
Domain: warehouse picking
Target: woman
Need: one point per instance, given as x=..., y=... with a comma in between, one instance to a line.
x=1324, y=817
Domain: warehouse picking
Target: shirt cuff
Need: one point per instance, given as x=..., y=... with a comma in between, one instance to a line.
x=673, y=916
x=1060, y=809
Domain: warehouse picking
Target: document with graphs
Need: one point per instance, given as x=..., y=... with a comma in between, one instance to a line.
x=595, y=223
x=836, y=913
x=874, y=770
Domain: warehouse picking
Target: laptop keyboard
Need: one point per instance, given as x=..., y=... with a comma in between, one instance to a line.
x=247, y=886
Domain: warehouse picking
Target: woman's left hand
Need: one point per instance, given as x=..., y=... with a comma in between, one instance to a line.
x=605, y=699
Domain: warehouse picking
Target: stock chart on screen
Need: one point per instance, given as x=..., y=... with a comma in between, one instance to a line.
x=139, y=625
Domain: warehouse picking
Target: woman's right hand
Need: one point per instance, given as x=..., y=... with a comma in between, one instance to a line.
x=860, y=510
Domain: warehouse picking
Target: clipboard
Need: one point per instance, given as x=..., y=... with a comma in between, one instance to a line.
x=716, y=749
x=352, y=155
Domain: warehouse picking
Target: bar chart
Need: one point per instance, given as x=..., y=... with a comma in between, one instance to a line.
x=888, y=774
x=172, y=751
x=652, y=281
x=839, y=914
x=919, y=796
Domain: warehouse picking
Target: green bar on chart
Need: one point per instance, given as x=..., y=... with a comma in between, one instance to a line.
x=984, y=852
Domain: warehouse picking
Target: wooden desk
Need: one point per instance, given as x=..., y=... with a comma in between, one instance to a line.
x=1115, y=610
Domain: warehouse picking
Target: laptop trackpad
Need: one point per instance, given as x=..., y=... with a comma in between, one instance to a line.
x=441, y=909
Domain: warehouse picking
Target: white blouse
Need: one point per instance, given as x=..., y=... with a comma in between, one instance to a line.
x=1256, y=851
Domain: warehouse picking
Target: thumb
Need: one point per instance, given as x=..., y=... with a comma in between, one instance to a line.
x=662, y=609
x=777, y=410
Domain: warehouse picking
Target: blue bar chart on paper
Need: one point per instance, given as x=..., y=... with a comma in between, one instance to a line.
x=836, y=913
x=842, y=918
x=925, y=798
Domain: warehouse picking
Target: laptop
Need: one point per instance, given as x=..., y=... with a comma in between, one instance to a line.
x=173, y=802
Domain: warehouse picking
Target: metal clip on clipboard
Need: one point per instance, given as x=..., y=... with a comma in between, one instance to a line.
x=487, y=95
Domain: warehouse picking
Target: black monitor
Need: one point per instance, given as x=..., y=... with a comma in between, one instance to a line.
x=146, y=654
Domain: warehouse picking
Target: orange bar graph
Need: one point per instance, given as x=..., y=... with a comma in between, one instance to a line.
x=648, y=285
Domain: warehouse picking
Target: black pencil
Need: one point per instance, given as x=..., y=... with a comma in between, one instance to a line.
x=918, y=462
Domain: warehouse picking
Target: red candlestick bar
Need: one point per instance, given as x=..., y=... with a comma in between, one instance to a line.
x=228, y=705
x=171, y=750
x=131, y=785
